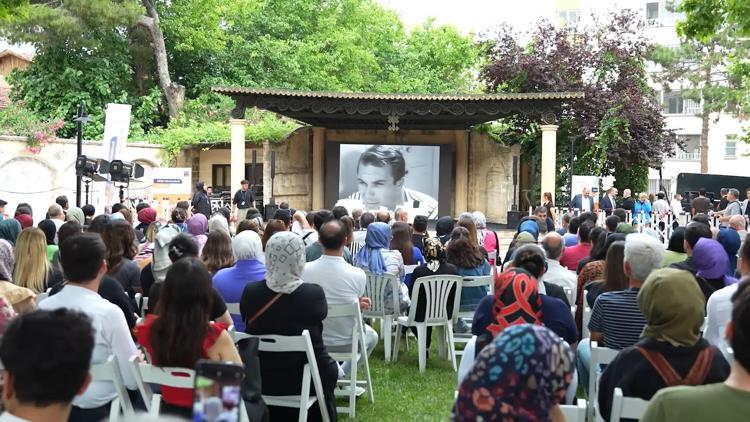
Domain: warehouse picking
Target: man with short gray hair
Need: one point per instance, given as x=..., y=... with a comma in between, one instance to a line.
x=554, y=245
x=733, y=206
x=616, y=319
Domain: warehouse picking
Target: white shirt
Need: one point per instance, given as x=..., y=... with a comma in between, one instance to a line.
x=585, y=203
x=112, y=337
x=660, y=206
x=676, y=206
x=559, y=275
x=342, y=284
x=8, y=417
x=719, y=313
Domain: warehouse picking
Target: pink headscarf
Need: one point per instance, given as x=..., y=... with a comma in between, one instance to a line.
x=25, y=220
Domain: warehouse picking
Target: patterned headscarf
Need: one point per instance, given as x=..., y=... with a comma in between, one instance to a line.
x=480, y=220
x=520, y=375
x=434, y=253
x=285, y=261
x=76, y=214
x=378, y=237
x=7, y=260
x=517, y=300
x=10, y=229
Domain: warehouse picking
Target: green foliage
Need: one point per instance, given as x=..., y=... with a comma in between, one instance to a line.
x=704, y=18
x=634, y=177
x=18, y=121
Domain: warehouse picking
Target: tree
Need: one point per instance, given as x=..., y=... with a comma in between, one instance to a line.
x=702, y=69
x=704, y=18
x=618, y=127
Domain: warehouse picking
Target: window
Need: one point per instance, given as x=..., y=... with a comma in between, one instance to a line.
x=692, y=149
x=652, y=13
x=221, y=177
x=673, y=103
x=730, y=148
x=657, y=96
x=569, y=19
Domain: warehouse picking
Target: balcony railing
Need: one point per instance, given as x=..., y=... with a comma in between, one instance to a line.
x=688, y=156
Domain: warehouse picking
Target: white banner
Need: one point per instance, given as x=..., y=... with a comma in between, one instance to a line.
x=116, y=128
x=591, y=182
x=171, y=180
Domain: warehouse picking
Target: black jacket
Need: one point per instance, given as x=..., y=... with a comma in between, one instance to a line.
x=201, y=204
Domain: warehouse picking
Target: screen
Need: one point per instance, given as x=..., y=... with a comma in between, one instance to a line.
x=386, y=177
x=216, y=398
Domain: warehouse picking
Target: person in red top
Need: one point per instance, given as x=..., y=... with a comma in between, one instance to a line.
x=574, y=254
x=180, y=333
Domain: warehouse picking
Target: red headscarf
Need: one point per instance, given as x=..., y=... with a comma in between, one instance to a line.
x=147, y=215
x=517, y=300
x=25, y=220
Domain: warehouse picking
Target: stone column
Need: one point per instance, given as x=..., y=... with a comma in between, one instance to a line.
x=549, y=160
x=318, y=167
x=462, y=172
x=237, y=155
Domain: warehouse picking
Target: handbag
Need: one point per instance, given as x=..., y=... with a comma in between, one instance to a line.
x=252, y=391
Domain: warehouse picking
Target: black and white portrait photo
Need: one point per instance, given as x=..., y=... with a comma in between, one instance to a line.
x=376, y=177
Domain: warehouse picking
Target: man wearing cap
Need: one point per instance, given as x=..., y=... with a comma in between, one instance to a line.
x=243, y=200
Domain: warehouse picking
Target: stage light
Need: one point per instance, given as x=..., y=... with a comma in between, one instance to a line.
x=123, y=171
x=88, y=166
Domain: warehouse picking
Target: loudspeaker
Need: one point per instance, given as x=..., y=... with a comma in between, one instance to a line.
x=270, y=210
x=514, y=217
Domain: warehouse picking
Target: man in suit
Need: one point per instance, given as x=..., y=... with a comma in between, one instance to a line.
x=583, y=201
x=608, y=202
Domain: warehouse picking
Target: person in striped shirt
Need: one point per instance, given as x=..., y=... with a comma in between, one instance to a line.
x=616, y=319
x=381, y=172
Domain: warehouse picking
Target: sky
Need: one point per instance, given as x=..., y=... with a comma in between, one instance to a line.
x=471, y=16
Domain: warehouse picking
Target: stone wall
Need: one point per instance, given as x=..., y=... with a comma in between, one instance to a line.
x=39, y=178
x=292, y=182
x=491, y=177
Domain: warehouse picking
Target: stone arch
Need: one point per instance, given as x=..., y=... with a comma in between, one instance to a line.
x=29, y=179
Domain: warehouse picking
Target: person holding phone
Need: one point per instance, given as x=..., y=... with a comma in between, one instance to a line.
x=181, y=334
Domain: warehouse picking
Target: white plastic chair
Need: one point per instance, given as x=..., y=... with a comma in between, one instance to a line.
x=437, y=291
x=570, y=295
x=468, y=316
x=375, y=290
x=574, y=412
x=599, y=356
x=408, y=269
x=358, y=352
x=303, y=401
x=585, y=333
x=110, y=371
x=627, y=407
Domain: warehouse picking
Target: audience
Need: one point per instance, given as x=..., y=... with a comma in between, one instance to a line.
x=571, y=235
x=676, y=248
x=554, y=247
x=467, y=257
x=671, y=351
x=365, y=220
x=119, y=237
x=50, y=232
x=574, y=254
x=722, y=401
x=611, y=223
x=56, y=214
x=197, y=226
x=315, y=250
x=33, y=270
x=284, y=304
x=46, y=357
x=182, y=333
x=248, y=268
x=693, y=232
x=401, y=242
x=88, y=213
x=614, y=279
x=10, y=229
x=217, y=252
x=83, y=258
x=731, y=242
x=419, y=233
x=444, y=227
x=376, y=257
x=21, y=299
x=342, y=284
x=616, y=320
x=712, y=265
x=272, y=227
x=76, y=214
x=509, y=382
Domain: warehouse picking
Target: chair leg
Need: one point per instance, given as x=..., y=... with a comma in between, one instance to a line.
x=305, y=394
x=387, y=333
x=442, y=338
x=366, y=359
x=353, y=387
x=114, y=410
x=422, y=341
x=452, y=347
x=397, y=345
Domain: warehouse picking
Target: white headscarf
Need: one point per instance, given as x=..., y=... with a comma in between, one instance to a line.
x=285, y=261
x=218, y=222
x=247, y=246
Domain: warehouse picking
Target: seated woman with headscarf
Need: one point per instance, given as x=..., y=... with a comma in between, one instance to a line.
x=522, y=375
x=712, y=264
x=50, y=231
x=676, y=248
x=434, y=255
x=284, y=304
x=376, y=258
x=197, y=226
x=671, y=351
x=730, y=240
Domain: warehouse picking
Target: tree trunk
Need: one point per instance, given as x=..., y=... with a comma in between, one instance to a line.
x=174, y=92
x=705, y=114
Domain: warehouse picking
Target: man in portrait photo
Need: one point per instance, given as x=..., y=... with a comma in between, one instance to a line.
x=381, y=172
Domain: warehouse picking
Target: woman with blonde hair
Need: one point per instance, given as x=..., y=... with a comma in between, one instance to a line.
x=33, y=270
x=642, y=210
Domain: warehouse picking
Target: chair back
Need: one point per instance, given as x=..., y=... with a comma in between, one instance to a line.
x=408, y=269
x=110, y=371
x=574, y=412
x=473, y=281
x=569, y=294
x=146, y=374
x=375, y=289
x=627, y=407
x=586, y=316
x=599, y=356
x=41, y=296
x=437, y=291
x=350, y=310
x=233, y=308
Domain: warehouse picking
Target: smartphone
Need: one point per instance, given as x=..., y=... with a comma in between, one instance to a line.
x=217, y=396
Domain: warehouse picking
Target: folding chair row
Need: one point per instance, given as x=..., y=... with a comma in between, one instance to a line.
x=599, y=356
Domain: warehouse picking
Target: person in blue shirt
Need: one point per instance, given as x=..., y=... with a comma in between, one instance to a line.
x=468, y=257
x=230, y=282
x=401, y=242
x=642, y=205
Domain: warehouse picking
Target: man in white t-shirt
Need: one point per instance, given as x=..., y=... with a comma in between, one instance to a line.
x=554, y=245
x=83, y=260
x=342, y=284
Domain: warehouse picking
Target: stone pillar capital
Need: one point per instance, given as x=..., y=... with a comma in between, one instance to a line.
x=548, y=128
x=235, y=122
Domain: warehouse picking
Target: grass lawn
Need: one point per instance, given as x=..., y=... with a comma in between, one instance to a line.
x=402, y=393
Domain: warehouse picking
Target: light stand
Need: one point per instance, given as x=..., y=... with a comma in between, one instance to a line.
x=87, y=181
x=80, y=121
x=121, y=187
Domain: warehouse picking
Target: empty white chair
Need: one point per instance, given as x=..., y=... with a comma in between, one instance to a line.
x=303, y=401
x=379, y=309
x=110, y=371
x=468, y=316
x=574, y=412
x=599, y=356
x=627, y=407
x=437, y=291
x=357, y=353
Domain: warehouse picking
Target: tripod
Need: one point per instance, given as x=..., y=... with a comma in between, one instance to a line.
x=88, y=182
